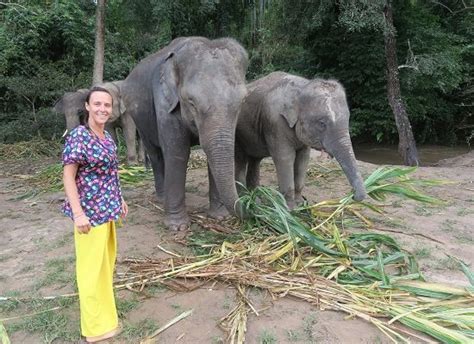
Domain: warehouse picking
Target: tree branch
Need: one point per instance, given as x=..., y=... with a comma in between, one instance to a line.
x=465, y=8
x=408, y=66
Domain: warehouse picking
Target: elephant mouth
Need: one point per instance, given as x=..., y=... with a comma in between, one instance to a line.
x=317, y=145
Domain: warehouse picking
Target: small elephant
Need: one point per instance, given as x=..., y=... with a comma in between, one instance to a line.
x=190, y=92
x=284, y=116
x=72, y=104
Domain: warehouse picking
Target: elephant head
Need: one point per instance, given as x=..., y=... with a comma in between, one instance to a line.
x=72, y=105
x=320, y=115
x=118, y=107
x=203, y=82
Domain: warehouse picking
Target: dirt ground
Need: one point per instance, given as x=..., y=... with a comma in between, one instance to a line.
x=37, y=258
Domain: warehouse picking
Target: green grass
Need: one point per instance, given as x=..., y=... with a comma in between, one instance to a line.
x=134, y=332
x=465, y=212
x=422, y=211
x=124, y=305
x=26, y=269
x=422, y=252
x=293, y=336
x=66, y=238
x=51, y=325
x=227, y=302
x=217, y=340
x=448, y=225
x=309, y=322
x=10, y=305
x=177, y=308
x=59, y=272
x=447, y=263
x=464, y=238
x=49, y=319
x=155, y=289
x=5, y=257
x=267, y=337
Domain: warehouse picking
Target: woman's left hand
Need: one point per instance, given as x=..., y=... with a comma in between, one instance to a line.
x=124, y=209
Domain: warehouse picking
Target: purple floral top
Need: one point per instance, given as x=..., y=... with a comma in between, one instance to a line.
x=97, y=176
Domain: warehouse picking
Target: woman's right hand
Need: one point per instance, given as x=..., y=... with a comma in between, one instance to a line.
x=82, y=224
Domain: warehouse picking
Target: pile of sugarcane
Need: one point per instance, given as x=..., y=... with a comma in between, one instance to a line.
x=305, y=254
x=34, y=149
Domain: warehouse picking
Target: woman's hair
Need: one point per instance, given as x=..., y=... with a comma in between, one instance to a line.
x=84, y=116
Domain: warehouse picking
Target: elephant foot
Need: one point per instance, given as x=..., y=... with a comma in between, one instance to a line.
x=160, y=198
x=291, y=205
x=218, y=212
x=177, y=223
x=359, y=195
x=300, y=200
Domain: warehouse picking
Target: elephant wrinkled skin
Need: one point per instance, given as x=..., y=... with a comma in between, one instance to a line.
x=72, y=104
x=284, y=116
x=190, y=92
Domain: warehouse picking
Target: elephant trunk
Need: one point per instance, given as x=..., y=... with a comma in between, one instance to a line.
x=342, y=150
x=219, y=148
x=72, y=120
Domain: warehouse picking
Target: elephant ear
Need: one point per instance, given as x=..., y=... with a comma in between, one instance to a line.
x=289, y=113
x=59, y=106
x=287, y=105
x=114, y=90
x=166, y=85
x=123, y=108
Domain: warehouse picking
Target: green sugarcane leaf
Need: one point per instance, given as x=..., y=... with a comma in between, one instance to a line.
x=3, y=335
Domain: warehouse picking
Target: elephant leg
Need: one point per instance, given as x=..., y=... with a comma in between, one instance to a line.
x=175, y=180
x=284, y=159
x=217, y=209
x=129, y=132
x=301, y=165
x=158, y=167
x=110, y=127
x=253, y=173
x=176, y=147
x=141, y=151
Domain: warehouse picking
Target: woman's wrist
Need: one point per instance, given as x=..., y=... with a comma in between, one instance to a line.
x=78, y=214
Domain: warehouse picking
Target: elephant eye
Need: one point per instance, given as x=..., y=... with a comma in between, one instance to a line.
x=321, y=124
x=191, y=103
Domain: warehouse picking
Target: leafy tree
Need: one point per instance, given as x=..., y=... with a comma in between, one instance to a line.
x=48, y=48
x=47, y=51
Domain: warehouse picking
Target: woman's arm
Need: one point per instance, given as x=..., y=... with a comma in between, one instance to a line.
x=81, y=221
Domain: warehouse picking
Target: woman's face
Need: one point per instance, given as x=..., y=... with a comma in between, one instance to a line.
x=99, y=108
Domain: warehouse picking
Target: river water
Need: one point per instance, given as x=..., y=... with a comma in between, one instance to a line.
x=388, y=154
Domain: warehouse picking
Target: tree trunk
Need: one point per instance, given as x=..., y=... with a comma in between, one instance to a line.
x=407, y=144
x=98, y=76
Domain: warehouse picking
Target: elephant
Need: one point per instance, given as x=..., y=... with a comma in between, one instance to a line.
x=188, y=93
x=72, y=104
x=284, y=116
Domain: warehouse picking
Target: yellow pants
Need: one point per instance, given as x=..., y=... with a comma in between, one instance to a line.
x=95, y=263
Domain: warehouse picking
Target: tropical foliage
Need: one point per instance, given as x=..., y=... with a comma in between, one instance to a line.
x=47, y=48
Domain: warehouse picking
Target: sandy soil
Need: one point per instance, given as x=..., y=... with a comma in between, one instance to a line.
x=36, y=239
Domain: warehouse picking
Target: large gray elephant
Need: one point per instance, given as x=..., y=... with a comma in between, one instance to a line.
x=190, y=92
x=284, y=116
x=72, y=104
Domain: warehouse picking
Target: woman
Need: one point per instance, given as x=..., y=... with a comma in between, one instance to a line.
x=94, y=202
